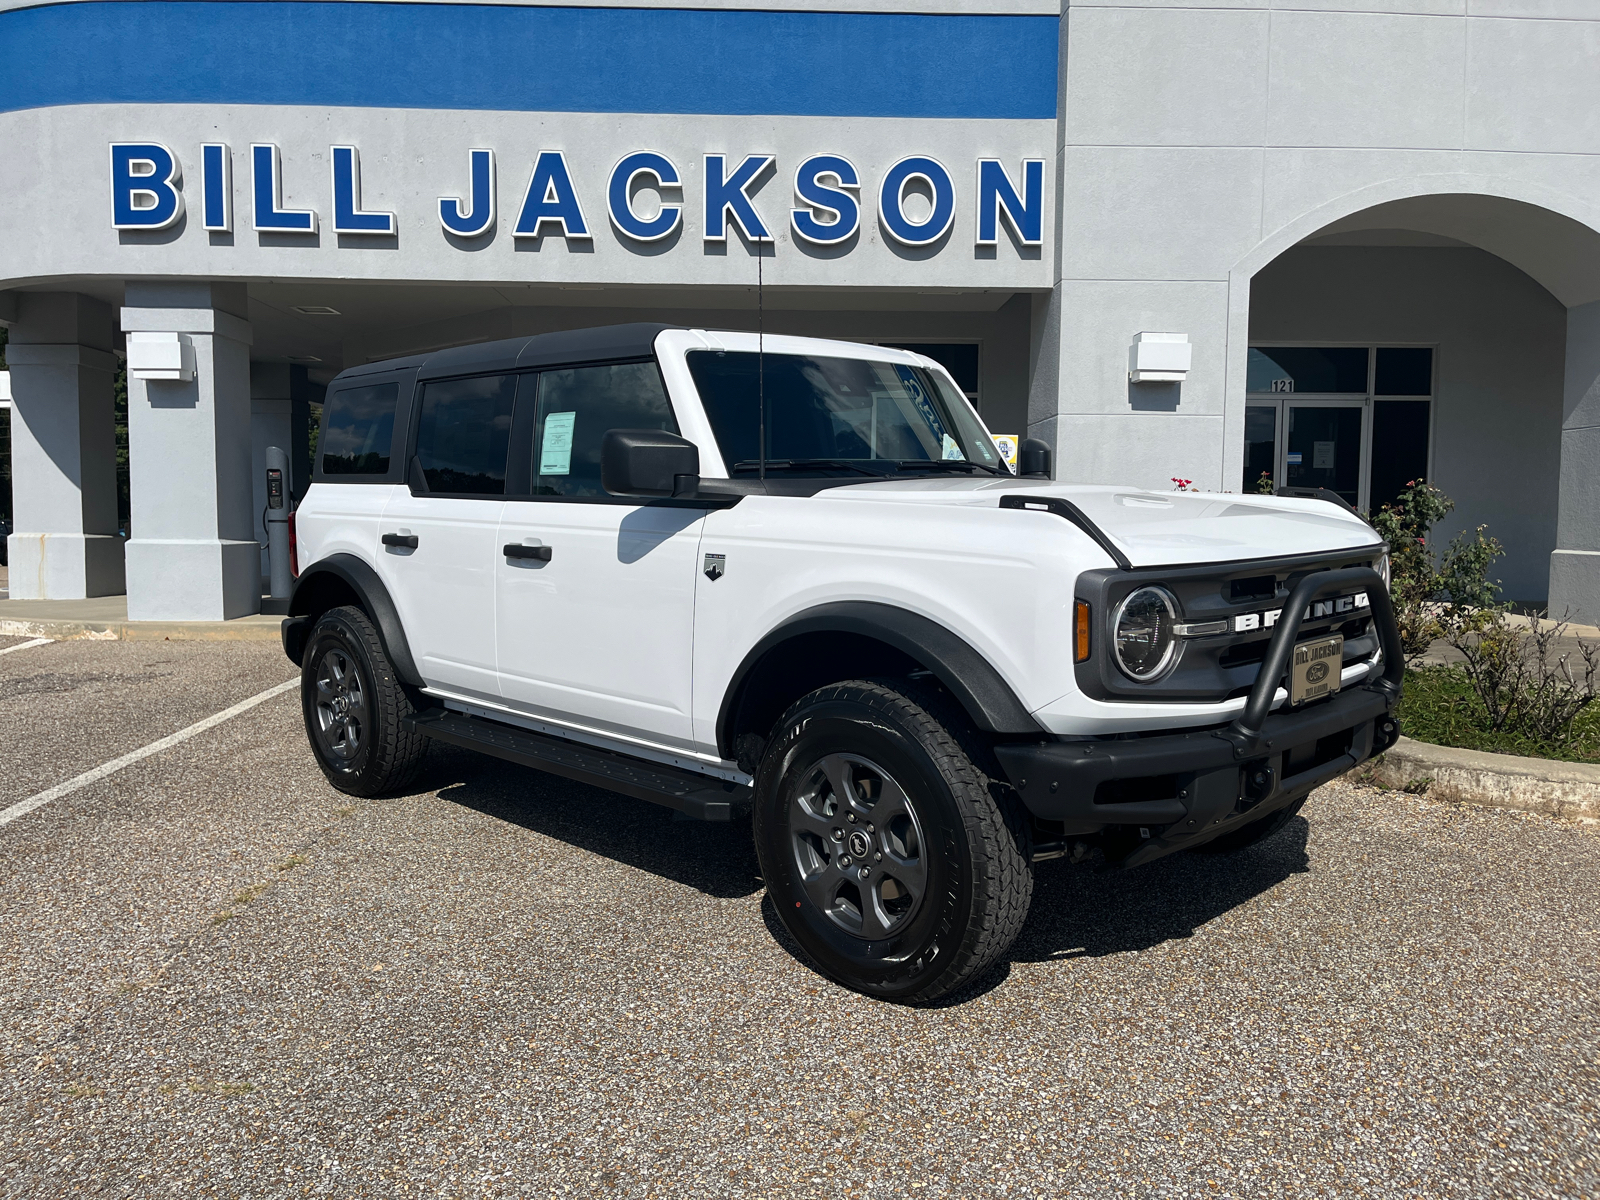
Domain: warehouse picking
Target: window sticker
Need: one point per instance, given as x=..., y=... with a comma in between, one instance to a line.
x=555, y=454
x=952, y=449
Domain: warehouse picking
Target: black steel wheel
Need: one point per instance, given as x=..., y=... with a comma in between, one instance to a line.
x=354, y=706
x=890, y=847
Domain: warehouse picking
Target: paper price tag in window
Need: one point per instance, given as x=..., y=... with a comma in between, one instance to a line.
x=555, y=452
x=952, y=448
x=1007, y=444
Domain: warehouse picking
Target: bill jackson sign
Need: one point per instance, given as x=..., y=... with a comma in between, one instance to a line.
x=148, y=192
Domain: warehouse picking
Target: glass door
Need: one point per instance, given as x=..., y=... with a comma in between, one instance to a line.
x=1322, y=446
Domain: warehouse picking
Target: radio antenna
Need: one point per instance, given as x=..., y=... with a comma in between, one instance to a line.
x=761, y=366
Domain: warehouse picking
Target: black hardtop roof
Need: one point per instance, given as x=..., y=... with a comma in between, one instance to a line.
x=599, y=344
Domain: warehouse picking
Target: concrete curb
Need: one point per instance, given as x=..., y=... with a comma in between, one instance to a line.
x=1538, y=785
x=245, y=629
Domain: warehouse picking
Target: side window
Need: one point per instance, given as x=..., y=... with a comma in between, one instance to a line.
x=358, y=429
x=463, y=433
x=576, y=407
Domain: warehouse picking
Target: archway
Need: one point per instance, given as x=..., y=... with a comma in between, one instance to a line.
x=1447, y=327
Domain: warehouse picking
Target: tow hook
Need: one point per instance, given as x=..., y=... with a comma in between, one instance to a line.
x=1259, y=779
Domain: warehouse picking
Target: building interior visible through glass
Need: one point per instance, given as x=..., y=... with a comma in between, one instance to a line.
x=1355, y=420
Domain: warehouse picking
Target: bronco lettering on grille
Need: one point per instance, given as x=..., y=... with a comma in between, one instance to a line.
x=1316, y=611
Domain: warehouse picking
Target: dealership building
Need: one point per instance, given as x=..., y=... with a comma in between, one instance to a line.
x=1247, y=243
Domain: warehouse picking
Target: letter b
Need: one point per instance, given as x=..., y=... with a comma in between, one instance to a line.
x=144, y=186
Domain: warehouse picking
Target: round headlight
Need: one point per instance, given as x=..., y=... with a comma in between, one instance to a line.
x=1142, y=636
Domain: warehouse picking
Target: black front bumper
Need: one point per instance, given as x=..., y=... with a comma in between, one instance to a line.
x=1172, y=791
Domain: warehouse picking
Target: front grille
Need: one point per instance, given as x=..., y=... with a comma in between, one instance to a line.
x=1216, y=668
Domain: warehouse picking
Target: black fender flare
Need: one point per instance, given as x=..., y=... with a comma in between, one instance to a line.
x=969, y=677
x=360, y=577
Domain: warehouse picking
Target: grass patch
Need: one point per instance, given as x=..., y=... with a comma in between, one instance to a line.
x=1439, y=707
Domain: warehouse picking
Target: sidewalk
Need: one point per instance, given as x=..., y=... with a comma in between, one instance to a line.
x=1443, y=654
x=106, y=617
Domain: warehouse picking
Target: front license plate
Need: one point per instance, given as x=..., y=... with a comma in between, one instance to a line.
x=1315, y=671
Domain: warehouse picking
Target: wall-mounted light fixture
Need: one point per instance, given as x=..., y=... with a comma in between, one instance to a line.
x=160, y=356
x=1159, y=358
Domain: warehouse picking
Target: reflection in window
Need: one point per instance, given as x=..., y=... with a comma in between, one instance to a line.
x=358, y=430
x=1260, y=446
x=464, y=432
x=1324, y=449
x=1399, y=447
x=576, y=409
x=1404, y=371
x=1286, y=369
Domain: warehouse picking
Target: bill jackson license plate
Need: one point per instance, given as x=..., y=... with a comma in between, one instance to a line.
x=1315, y=671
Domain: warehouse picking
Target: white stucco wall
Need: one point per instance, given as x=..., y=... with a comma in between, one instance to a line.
x=1498, y=339
x=1198, y=142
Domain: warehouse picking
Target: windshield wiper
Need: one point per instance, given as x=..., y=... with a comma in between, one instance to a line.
x=943, y=464
x=807, y=464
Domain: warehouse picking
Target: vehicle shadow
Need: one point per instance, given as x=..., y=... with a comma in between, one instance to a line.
x=714, y=857
x=1080, y=910
x=1083, y=910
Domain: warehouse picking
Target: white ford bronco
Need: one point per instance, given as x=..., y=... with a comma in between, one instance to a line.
x=793, y=579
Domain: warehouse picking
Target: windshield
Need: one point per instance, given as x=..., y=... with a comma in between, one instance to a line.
x=839, y=413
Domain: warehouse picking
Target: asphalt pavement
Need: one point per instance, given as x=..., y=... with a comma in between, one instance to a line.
x=218, y=976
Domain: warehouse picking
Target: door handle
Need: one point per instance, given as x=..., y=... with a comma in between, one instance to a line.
x=516, y=550
x=406, y=541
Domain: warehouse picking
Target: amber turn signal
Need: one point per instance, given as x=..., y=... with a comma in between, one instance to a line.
x=1080, y=631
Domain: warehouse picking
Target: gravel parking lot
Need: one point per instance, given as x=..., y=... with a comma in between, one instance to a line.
x=220, y=977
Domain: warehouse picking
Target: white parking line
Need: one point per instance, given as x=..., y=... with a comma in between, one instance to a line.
x=23, y=807
x=28, y=645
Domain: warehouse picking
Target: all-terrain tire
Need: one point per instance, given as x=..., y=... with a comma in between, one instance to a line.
x=892, y=848
x=1256, y=831
x=355, y=707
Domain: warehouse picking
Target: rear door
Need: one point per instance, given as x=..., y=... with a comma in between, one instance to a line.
x=599, y=634
x=360, y=454
x=437, y=546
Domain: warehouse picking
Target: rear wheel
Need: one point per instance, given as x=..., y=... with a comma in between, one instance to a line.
x=897, y=861
x=354, y=705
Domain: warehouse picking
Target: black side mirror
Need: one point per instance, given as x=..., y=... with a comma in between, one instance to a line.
x=648, y=462
x=1033, y=460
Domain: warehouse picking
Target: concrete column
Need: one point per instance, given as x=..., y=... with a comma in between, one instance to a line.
x=1575, y=564
x=1108, y=430
x=63, y=449
x=270, y=425
x=192, y=555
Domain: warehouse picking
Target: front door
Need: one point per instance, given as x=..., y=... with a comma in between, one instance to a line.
x=438, y=556
x=595, y=617
x=1322, y=446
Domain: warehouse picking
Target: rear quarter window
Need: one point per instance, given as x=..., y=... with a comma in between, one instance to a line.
x=358, y=430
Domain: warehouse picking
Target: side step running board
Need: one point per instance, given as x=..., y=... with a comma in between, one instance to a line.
x=698, y=796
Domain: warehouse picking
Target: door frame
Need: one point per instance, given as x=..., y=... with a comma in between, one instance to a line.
x=1312, y=400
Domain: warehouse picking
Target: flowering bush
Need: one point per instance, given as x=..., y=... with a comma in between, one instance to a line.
x=1182, y=484
x=1434, y=596
x=1264, y=484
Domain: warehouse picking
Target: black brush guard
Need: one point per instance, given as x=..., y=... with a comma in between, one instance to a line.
x=1221, y=779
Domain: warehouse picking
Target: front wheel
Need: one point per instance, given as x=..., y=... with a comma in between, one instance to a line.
x=897, y=861
x=355, y=707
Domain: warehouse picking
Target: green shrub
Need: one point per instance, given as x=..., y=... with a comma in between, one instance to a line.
x=1440, y=706
x=1432, y=595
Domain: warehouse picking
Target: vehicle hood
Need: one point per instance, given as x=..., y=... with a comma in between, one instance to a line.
x=1155, y=528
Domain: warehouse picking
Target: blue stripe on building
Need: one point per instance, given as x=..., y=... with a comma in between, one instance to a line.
x=433, y=56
